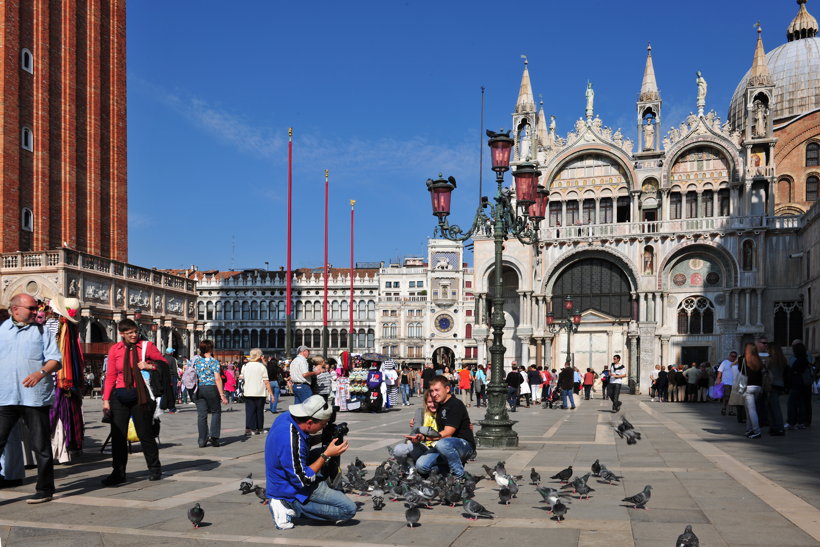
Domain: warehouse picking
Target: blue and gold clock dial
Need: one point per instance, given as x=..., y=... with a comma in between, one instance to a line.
x=444, y=323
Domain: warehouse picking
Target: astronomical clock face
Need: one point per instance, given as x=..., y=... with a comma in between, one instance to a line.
x=444, y=322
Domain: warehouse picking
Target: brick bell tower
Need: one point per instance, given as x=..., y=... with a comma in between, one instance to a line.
x=63, y=177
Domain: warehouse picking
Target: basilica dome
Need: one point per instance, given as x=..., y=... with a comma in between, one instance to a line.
x=795, y=69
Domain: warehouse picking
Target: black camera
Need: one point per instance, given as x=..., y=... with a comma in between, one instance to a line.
x=338, y=432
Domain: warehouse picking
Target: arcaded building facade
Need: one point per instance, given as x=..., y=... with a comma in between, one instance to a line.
x=678, y=239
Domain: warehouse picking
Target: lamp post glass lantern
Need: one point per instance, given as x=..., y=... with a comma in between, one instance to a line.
x=518, y=216
x=570, y=323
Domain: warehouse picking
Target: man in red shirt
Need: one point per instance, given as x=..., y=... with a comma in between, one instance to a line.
x=589, y=380
x=127, y=394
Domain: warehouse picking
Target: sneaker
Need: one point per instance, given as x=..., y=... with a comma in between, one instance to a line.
x=39, y=497
x=155, y=475
x=754, y=436
x=282, y=515
x=787, y=427
x=800, y=426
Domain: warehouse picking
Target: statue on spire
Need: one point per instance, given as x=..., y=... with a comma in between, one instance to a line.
x=701, y=93
x=590, y=95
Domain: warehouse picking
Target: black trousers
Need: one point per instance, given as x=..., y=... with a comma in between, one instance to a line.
x=36, y=419
x=254, y=413
x=614, y=393
x=143, y=416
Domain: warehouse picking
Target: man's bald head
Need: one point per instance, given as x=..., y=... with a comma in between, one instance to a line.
x=23, y=308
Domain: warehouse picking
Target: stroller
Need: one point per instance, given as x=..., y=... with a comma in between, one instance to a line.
x=554, y=400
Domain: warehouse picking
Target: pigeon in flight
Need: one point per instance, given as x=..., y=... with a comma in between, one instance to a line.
x=626, y=430
x=535, y=477
x=640, y=499
x=476, y=510
x=246, y=484
x=563, y=475
x=412, y=515
x=195, y=515
x=688, y=538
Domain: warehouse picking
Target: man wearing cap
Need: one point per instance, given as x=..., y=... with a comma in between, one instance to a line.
x=294, y=483
x=28, y=357
x=300, y=374
x=173, y=380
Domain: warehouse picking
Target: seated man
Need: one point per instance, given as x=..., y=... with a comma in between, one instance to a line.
x=455, y=442
x=293, y=481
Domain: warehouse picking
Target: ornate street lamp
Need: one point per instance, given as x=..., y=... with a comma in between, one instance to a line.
x=519, y=217
x=569, y=324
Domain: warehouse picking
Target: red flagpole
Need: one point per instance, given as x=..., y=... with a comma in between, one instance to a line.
x=324, y=308
x=288, y=340
x=352, y=271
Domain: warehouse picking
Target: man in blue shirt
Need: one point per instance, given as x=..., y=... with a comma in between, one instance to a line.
x=294, y=485
x=28, y=356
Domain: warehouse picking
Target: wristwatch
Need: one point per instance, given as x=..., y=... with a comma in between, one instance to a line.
x=324, y=456
x=43, y=371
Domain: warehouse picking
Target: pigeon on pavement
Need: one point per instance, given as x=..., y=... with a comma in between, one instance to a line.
x=583, y=490
x=535, y=477
x=261, y=494
x=476, y=510
x=195, y=515
x=563, y=475
x=609, y=476
x=640, y=499
x=246, y=484
x=412, y=515
x=504, y=495
x=596, y=468
x=558, y=511
x=688, y=538
x=489, y=471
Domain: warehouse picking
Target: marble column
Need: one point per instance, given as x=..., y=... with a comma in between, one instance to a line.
x=747, y=316
x=634, y=369
x=759, y=293
x=664, y=350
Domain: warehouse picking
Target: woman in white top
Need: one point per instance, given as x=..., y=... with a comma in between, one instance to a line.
x=255, y=375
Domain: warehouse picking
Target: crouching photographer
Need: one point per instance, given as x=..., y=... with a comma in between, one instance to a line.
x=296, y=475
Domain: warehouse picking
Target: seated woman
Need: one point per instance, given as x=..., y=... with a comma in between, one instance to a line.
x=423, y=421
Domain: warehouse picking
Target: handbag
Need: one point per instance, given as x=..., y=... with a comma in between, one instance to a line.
x=741, y=380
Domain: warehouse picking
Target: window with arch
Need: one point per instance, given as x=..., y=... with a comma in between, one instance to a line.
x=254, y=310
x=675, y=205
x=708, y=203
x=371, y=309
x=246, y=310
x=218, y=311
x=209, y=311
x=812, y=154
x=334, y=310
x=300, y=312
x=696, y=315
x=605, y=211
x=389, y=330
x=748, y=258
x=811, y=187
x=27, y=139
x=788, y=322
x=343, y=338
x=263, y=310
x=282, y=309
x=691, y=204
x=308, y=310
x=334, y=338
x=317, y=338
x=362, y=307
x=200, y=311
x=345, y=309
x=362, y=339
x=27, y=60
x=724, y=203
x=371, y=338
x=237, y=314
x=27, y=220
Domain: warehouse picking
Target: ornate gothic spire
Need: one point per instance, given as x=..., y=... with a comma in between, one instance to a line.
x=649, y=87
x=760, y=67
x=541, y=126
x=525, y=102
x=803, y=25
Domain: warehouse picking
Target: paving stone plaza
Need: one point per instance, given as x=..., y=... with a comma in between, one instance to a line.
x=703, y=471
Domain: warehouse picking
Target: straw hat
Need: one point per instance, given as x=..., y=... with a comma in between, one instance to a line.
x=65, y=307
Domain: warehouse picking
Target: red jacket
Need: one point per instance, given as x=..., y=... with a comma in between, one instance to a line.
x=116, y=357
x=589, y=378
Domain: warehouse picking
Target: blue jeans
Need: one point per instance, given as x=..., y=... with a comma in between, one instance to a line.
x=750, y=401
x=512, y=397
x=11, y=462
x=405, y=394
x=448, y=453
x=324, y=503
x=301, y=393
x=567, y=398
x=275, y=387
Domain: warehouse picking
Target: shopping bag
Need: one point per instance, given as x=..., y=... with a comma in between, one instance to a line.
x=132, y=432
x=716, y=392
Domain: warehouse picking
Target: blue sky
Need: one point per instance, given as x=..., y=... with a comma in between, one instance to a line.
x=384, y=94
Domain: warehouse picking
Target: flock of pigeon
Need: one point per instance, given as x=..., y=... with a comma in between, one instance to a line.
x=396, y=480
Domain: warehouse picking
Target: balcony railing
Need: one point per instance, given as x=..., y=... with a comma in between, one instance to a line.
x=669, y=227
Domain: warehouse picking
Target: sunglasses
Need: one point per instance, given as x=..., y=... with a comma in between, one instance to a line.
x=29, y=308
x=323, y=408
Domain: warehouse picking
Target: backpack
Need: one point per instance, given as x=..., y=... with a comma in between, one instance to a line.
x=190, y=380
